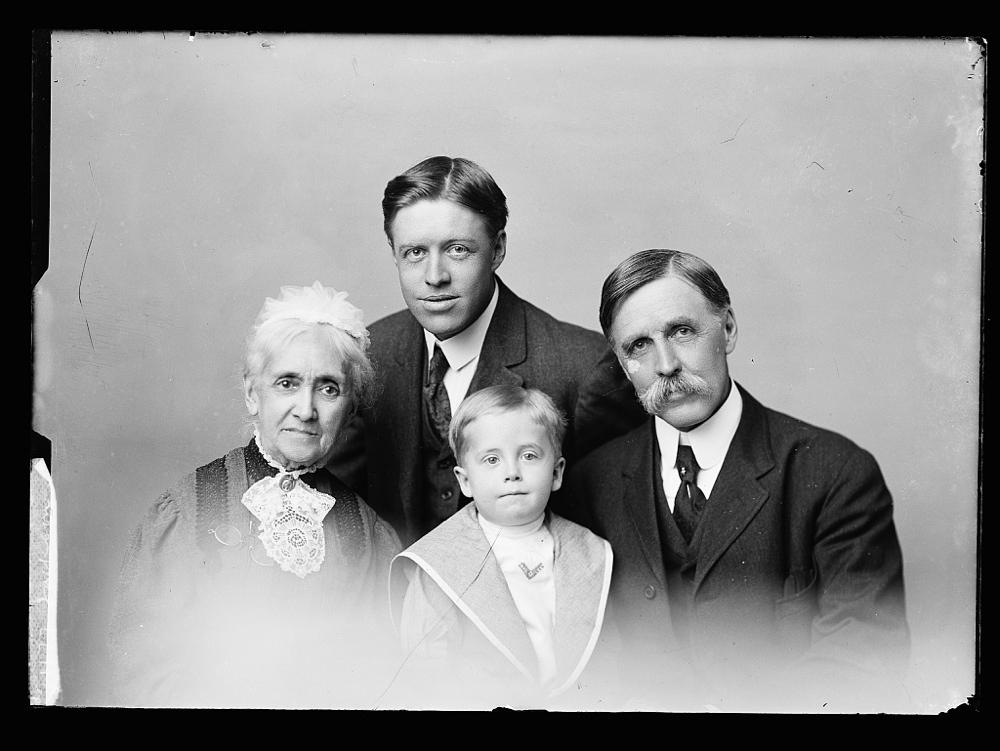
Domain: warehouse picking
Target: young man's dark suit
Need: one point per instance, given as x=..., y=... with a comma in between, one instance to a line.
x=524, y=346
x=796, y=592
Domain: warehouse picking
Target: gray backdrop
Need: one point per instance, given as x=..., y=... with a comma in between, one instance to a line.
x=834, y=184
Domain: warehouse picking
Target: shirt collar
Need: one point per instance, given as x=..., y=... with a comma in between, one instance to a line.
x=710, y=440
x=510, y=532
x=465, y=346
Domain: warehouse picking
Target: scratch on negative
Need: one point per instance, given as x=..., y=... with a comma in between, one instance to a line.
x=79, y=289
x=737, y=130
x=818, y=165
x=436, y=624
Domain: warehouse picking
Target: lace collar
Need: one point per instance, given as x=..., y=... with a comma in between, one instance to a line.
x=290, y=513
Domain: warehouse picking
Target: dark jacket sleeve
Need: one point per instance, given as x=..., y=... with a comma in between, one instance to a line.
x=859, y=624
x=348, y=462
x=606, y=405
x=804, y=608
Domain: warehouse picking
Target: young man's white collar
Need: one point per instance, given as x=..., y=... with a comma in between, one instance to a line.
x=709, y=442
x=462, y=352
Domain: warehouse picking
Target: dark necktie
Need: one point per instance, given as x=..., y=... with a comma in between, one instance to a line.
x=689, y=500
x=437, y=395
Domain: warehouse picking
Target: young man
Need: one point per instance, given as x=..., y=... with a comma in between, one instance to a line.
x=463, y=330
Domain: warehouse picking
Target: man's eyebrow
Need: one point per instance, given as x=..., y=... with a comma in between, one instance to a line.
x=647, y=331
x=321, y=377
x=681, y=319
x=448, y=241
x=633, y=336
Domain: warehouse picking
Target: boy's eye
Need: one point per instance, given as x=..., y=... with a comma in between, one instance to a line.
x=530, y=455
x=492, y=460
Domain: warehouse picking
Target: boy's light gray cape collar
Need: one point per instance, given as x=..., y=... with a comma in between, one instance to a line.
x=457, y=556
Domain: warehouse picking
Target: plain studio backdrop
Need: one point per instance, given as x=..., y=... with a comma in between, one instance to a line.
x=834, y=184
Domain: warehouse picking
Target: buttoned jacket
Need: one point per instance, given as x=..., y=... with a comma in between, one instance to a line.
x=798, y=578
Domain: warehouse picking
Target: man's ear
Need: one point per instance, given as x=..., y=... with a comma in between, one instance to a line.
x=730, y=328
x=392, y=253
x=621, y=364
x=614, y=351
x=463, y=482
x=557, y=474
x=499, y=249
x=251, y=398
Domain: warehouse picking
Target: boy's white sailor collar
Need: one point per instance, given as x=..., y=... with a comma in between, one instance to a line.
x=710, y=440
x=465, y=346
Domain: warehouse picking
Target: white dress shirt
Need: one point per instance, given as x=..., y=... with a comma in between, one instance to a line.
x=462, y=352
x=709, y=442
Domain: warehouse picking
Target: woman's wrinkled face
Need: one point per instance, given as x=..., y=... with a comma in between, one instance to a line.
x=302, y=401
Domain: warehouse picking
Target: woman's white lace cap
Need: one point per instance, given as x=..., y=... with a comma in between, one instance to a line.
x=315, y=304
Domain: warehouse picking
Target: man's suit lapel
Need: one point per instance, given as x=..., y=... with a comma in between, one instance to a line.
x=738, y=493
x=505, y=344
x=639, y=499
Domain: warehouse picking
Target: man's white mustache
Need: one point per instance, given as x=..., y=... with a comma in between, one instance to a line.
x=654, y=398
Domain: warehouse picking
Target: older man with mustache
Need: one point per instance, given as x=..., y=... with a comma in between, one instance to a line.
x=757, y=566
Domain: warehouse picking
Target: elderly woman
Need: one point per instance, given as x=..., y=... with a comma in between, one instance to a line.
x=259, y=579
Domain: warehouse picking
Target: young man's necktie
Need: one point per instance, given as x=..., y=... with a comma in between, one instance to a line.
x=437, y=395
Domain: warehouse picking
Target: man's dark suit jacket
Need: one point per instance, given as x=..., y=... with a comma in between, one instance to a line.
x=798, y=585
x=524, y=346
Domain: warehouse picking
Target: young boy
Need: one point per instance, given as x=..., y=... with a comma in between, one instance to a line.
x=503, y=602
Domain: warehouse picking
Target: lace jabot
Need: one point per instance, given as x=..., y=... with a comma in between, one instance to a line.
x=291, y=516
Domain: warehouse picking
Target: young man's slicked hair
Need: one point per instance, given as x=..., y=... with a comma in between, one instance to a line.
x=454, y=179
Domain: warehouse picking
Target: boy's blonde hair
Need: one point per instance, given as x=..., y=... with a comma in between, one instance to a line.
x=499, y=399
